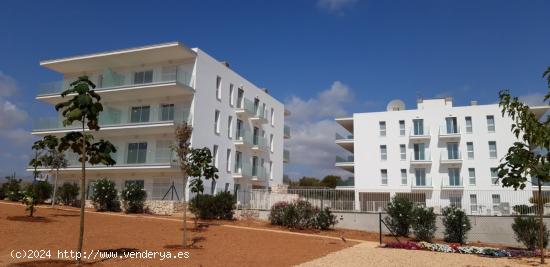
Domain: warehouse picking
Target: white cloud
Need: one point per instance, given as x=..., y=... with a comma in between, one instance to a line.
x=8, y=86
x=335, y=6
x=312, y=147
x=10, y=114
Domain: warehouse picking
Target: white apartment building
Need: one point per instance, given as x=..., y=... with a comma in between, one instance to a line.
x=436, y=154
x=146, y=91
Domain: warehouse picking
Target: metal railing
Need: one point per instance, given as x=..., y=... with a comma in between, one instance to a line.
x=109, y=79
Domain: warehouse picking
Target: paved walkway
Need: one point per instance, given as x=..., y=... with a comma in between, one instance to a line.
x=368, y=254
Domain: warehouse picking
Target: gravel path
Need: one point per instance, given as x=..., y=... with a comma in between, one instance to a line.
x=368, y=254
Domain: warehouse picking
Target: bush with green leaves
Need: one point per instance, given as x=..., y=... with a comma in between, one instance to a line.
x=105, y=196
x=423, y=223
x=457, y=225
x=133, y=197
x=12, y=189
x=68, y=194
x=29, y=199
x=399, y=215
x=42, y=190
x=301, y=215
x=219, y=206
x=526, y=230
x=524, y=209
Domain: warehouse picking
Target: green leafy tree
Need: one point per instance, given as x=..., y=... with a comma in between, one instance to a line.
x=529, y=156
x=331, y=181
x=200, y=162
x=51, y=158
x=84, y=106
x=308, y=181
x=68, y=192
x=12, y=188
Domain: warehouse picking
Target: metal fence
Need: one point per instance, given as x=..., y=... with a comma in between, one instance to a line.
x=473, y=202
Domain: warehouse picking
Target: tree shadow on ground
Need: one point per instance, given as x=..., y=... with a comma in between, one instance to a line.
x=36, y=219
x=65, y=215
x=194, y=244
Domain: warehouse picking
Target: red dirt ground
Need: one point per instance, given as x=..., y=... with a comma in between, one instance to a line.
x=215, y=245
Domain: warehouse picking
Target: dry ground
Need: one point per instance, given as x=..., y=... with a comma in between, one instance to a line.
x=216, y=245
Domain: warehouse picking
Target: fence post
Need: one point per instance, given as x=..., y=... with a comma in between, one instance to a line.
x=380, y=226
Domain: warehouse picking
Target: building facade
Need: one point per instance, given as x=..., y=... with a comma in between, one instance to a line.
x=437, y=155
x=146, y=92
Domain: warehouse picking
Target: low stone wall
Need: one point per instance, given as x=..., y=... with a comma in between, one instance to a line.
x=157, y=207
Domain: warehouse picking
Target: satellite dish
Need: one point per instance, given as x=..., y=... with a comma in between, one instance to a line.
x=396, y=105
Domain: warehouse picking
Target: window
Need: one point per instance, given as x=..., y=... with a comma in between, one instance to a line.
x=166, y=112
x=271, y=142
x=456, y=201
x=143, y=77
x=418, y=127
x=404, y=177
x=238, y=161
x=137, y=153
x=230, y=127
x=215, y=156
x=491, y=123
x=452, y=151
x=384, y=176
x=402, y=128
x=240, y=131
x=492, y=149
x=140, y=114
x=473, y=202
x=231, y=100
x=256, y=136
x=496, y=202
x=472, y=176
x=383, y=152
x=217, y=121
x=219, y=87
x=240, y=98
x=494, y=176
x=469, y=128
x=403, y=151
x=163, y=153
x=226, y=187
x=272, y=117
x=256, y=106
x=228, y=161
x=470, y=149
x=454, y=177
x=420, y=177
x=254, y=166
x=382, y=125
x=419, y=151
x=271, y=170
x=452, y=125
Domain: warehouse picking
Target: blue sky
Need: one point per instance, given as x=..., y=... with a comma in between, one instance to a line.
x=340, y=56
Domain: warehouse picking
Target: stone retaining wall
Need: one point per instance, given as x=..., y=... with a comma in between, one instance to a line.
x=157, y=207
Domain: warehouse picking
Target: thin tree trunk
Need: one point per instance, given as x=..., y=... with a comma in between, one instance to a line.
x=541, y=223
x=82, y=194
x=184, y=195
x=54, y=188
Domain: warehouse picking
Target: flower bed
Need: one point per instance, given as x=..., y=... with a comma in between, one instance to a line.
x=456, y=248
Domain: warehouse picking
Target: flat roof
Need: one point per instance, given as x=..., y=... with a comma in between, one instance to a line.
x=120, y=58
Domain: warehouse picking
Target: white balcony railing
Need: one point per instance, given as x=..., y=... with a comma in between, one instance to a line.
x=419, y=133
x=417, y=157
x=421, y=182
x=450, y=157
x=451, y=182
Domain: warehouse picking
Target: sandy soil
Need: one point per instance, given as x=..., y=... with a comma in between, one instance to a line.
x=368, y=254
x=214, y=246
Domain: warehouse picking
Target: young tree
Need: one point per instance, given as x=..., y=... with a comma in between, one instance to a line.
x=182, y=148
x=51, y=158
x=528, y=157
x=29, y=197
x=200, y=162
x=84, y=106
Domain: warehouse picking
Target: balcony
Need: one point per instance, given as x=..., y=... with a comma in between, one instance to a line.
x=286, y=132
x=346, y=142
x=449, y=132
x=420, y=158
x=248, y=108
x=346, y=163
x=150, y=121
x=419, y=133
x=252, y=172
x=245, y=138
x=449, y=157
x=421, y=183
x=286, y=156
x=161, y=80
x=449, y=183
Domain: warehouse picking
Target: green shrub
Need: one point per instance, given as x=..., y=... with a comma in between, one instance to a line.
x=29, y=199
x=68, y=193
x=105, y=196
x=399, y=215
x=524, y=209
x=12, y=189
x=526, y=230
x=423, y=223
x=42, y=190
x=457, y=225
x=301, y=215
x=219, y=206
x=133, y=197
x=325, y=219
x=2, y=191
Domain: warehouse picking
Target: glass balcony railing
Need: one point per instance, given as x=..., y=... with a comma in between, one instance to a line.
x=287, y=131
x=450, y=156
x=286, y=155
x=248, y=138
x=252, y=109
x=445, y=130
x=249, y=170
x=450, y=182
x=420, y=156
x=109, y=79
x=419, y=132
x=421, y=181
x=340, y=137
x=112, y=116
x=348, y=159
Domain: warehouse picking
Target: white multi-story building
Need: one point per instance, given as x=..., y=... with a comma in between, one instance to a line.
x=147, y=91
x=436, y=154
